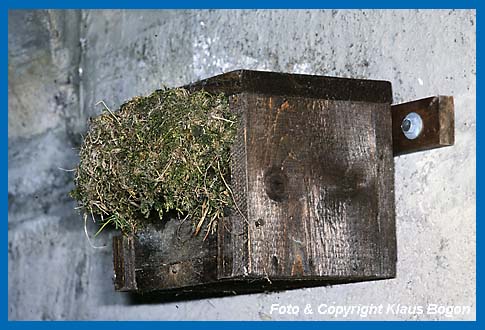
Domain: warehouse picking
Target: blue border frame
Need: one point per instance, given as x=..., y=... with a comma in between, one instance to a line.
x=307, y=4
x=248, y=4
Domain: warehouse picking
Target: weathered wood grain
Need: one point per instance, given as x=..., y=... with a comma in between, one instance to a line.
x=124, y=263
x=232, y=230
x=164, y=256
x=320, y=190
x=303, y=85
x=438, y=117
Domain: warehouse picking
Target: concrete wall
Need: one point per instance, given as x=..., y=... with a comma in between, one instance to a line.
x=62, y=62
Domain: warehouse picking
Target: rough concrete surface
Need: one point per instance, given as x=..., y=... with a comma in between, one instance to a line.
x=62, y=62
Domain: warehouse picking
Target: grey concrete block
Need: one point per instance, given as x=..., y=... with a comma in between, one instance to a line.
x=48, y=269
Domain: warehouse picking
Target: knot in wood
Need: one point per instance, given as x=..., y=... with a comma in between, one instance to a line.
x=276, y=184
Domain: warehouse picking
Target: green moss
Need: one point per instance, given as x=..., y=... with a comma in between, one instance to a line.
x=165, y=152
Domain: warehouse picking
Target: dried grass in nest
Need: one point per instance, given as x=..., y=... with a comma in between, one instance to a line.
x=165, y=152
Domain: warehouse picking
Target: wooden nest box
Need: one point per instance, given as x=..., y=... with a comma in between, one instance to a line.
x=313, y=176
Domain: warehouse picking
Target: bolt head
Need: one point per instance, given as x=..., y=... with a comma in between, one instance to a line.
x=412, y=125
x=406, y=125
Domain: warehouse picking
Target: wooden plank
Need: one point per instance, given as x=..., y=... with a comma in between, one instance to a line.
x=320, y=184
x=232, y=230
x=438, y=118
x=276, y=83
x=124, y=263
x=164, y=256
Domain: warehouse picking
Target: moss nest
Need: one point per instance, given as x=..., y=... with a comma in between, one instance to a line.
x=166, y=152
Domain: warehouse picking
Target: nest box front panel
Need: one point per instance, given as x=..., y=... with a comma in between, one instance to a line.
x=319, y=178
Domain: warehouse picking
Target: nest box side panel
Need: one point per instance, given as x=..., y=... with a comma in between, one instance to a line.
x=318, y=176
x=163, y=257
x=232, y=230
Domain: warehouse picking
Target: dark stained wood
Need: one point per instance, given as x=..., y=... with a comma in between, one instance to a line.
x=232, y=230
x=319, y=177
x=124, y=263
x=438, y=117
x=164, y=258
x=276, y=83
x=312, y=175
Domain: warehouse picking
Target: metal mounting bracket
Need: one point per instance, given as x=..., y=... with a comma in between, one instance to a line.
x=438, y=124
